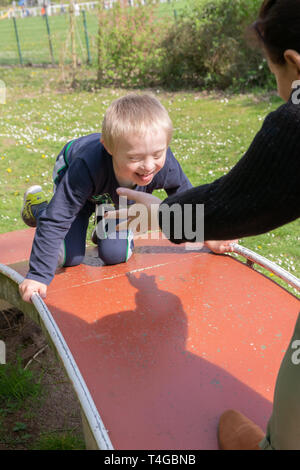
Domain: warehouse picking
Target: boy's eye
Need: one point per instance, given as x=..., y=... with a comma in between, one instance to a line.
x=157, y=156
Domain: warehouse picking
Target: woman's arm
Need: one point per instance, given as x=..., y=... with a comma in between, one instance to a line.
x=260, y=193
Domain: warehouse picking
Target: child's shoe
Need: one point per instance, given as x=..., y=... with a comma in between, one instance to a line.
x=33, y=196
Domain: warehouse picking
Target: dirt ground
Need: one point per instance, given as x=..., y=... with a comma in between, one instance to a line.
x=56, y=410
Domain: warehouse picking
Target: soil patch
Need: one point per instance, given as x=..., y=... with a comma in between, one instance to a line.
x=56, y=410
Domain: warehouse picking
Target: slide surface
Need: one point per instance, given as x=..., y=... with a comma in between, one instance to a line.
x=169, y=340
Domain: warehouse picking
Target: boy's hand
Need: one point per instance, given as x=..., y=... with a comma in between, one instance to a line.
x=220, y=246
x=28, y=287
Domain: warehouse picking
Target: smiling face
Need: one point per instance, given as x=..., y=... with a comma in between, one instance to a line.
x=138, y=158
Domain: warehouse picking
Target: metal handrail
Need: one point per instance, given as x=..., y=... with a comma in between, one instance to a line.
x=253, y=257
x=86, y=401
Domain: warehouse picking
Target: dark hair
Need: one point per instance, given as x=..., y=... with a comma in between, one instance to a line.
x=278, y=27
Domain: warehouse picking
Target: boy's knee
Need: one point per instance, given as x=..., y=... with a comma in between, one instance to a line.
x=73, y=260
x=116, y=249
x=67, y=259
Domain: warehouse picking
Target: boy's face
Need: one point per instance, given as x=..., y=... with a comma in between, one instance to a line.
x=138, y=158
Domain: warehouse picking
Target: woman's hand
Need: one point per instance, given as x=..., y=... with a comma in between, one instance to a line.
x=144, y=213
x=29, y=287
x=220, y=246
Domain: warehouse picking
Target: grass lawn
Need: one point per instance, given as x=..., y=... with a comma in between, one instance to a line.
x=211, y=134
x=34, y=38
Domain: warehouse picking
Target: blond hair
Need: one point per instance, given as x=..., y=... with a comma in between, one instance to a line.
x=134, y=114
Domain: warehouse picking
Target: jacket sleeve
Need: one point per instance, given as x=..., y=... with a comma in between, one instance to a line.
x=55, y=222
x=260, y=193
x=174, y=179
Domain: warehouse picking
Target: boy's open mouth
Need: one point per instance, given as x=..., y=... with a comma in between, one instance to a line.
x=145, y=177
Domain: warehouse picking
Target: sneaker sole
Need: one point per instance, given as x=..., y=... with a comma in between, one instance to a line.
x=32, y=190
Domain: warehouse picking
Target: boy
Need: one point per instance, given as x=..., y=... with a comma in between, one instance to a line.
x=132, y=152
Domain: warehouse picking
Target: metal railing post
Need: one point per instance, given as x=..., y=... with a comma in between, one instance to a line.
x=18, y=40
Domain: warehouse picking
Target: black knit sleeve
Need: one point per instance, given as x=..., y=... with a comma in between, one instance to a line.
x=260, y=193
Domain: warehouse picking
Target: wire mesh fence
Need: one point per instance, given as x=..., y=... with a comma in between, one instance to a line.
x=46, y=40
x=40, y=38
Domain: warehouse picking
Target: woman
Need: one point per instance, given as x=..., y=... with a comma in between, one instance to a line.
x=260, y=193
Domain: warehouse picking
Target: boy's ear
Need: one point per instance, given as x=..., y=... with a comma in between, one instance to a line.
x=105, y=146
x=292, y=57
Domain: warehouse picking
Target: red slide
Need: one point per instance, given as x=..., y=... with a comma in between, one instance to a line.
x=164, y=343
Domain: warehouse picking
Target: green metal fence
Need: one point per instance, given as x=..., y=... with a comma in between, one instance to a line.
x=41, y=40
x=46, y=40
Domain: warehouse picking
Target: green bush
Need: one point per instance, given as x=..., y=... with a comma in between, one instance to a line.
x=130, y=46
x=208, y=46
x=5, y=3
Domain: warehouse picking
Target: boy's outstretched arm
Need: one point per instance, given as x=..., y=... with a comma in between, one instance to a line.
x=55, y=221
x=28, y=287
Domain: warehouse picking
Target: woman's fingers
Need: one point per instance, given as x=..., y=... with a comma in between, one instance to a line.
x=118, y=214
x=123, y=226
x=138, y=217
x=138, y=196
x=221, y=246
x=132, y=195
